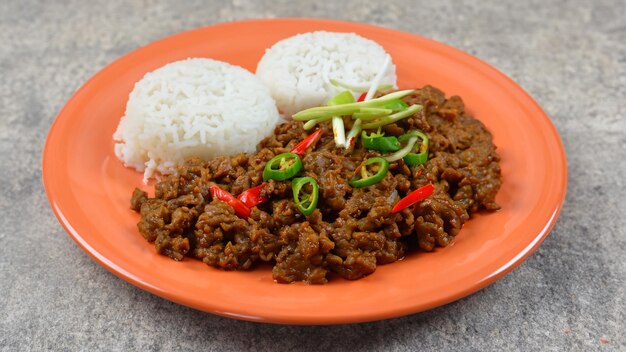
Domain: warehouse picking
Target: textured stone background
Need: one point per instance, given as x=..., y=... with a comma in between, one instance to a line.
x=570, y=295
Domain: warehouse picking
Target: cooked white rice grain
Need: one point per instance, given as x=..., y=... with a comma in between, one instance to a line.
x=194, y=107
x=298, y=70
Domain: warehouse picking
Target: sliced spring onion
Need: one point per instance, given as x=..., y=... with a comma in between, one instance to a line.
x=396, y=105
x=357, y=88
x=381, y=111
x=312, y=123
x=402, y=152
x=342, y=98
x=419, y=155
x=354, y=131
x=368, y=114
x=394, y=117
x=349, y=109
x=339, y=130
x=378, y=78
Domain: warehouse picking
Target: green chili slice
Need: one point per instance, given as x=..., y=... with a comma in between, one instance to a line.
x=362, y=177
x=282, y=167
x=420, y=155
x=377, y=141
x=305, y=194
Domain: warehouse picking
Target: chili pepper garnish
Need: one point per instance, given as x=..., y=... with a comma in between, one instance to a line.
x=309, y=141
x=240, y=209
x=305, y=194
x=362, y=97
x=362, y=178
x=414, y=197
x=402, y=152
x=378, y=141
x=421, y=156
x=252, y=196
x=282, y=167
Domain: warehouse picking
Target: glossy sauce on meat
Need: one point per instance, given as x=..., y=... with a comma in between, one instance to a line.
x=352, y=230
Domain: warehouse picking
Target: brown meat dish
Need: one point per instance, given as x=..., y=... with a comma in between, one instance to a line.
x=352, y=230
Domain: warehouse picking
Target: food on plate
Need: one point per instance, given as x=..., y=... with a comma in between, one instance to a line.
x=408, y=172
x=356, y=175
x=308, y=69
x=193, y=108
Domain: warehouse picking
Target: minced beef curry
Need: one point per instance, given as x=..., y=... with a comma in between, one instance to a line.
x=352, y=230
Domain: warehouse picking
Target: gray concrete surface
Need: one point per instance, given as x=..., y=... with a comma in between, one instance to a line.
x=568, y=296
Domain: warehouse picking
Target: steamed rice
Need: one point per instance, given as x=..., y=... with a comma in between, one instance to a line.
x=298, y=70
x=195, y=107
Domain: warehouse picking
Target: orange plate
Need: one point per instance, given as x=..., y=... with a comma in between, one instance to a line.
x=89, y=189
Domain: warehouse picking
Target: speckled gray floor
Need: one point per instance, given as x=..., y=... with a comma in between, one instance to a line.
x=570, y=295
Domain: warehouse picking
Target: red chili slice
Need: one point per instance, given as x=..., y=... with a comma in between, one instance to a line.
x=252, y=196
x=414, y=197
x=362, y=97
x=301, y=147
x=240, y=209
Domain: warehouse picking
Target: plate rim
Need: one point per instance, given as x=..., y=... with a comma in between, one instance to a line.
x=469, y=289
